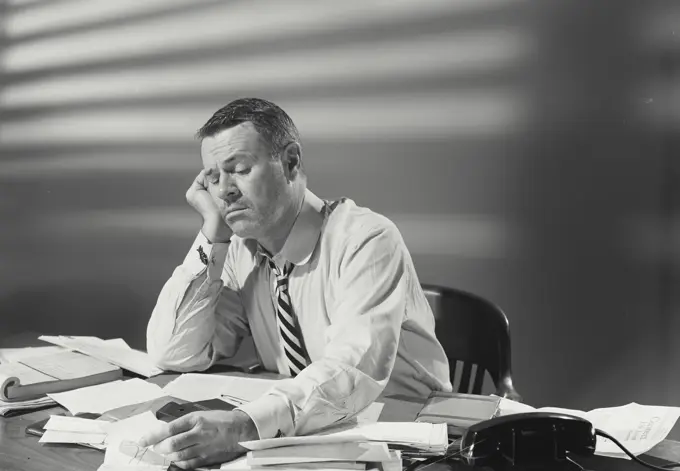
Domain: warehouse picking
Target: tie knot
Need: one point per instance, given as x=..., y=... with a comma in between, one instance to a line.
x=288, y=267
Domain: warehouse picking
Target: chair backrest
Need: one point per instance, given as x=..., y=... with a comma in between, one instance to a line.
x=473, y=331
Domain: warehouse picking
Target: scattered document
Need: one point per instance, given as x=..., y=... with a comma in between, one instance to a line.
x=59, y=436
x=75, y=424
x=126, y=467
x=133, y=428
x=358, y=451
x=371, y=414
x=116, y=353
x=638, y=427
x=62, y=429
x=105, y=397
x=236, y=390
x=241, y=464
x=122, y=448
x=419, y=435
x=393, y=463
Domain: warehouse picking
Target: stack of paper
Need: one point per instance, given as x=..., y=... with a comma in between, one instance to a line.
x=639, y=428
x=339, y=456
x=62, y=429
x=432, y=438
x=7, y=407
x=115, y=353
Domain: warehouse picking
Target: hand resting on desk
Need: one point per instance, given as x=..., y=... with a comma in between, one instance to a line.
x=202, y=438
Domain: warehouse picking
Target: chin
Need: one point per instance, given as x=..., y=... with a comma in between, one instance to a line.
x=245, y=229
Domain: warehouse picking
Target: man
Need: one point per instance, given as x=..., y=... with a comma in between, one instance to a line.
x=327, y=289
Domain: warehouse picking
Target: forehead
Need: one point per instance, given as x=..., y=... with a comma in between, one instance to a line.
x=240, y=139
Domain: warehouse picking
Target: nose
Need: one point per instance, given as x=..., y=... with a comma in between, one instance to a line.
x=227, y=190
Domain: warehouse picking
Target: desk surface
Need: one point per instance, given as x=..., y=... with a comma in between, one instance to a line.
x=21, y=452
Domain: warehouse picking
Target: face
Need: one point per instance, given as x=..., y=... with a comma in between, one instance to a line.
x=251, y=188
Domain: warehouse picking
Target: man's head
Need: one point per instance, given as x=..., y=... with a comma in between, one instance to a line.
x=251, y=153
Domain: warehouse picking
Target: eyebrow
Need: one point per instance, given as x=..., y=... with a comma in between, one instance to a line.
x=237, y=156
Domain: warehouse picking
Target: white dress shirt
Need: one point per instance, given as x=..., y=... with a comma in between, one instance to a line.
x=366, y=324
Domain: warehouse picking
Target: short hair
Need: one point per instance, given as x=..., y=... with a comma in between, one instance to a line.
x=269, y=120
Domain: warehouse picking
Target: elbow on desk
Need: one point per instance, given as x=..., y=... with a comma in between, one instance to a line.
x=171, y=358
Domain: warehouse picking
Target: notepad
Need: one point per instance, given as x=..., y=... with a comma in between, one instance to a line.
x=459, y=411
x=36, y=376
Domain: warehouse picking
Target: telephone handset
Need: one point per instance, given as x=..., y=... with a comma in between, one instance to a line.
x=529, y=439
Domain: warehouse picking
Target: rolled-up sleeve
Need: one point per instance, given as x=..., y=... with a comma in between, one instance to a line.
x=198, y=318
x=362, y=341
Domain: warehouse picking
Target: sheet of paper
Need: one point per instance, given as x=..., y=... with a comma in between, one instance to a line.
x=129, y=453
x=125, y=467
x=421, y=435
x=638, y=427
x=15, y=354
x=127, y=358
x=59, y=436
x=122, y=447
x=233, y=389
x=104, y=397
x=371, y=414
x=133, y=428
x=360, y=451
x=75, y=424
x=240, y=464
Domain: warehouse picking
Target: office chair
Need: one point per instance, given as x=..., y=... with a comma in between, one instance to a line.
x=473, y=331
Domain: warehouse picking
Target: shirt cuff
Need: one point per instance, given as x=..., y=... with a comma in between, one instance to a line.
x=205, y=254
x=271, y=416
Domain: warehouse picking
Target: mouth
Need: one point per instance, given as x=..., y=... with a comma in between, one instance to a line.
x=234, y=211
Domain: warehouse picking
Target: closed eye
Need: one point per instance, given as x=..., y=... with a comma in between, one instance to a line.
x=241, y=170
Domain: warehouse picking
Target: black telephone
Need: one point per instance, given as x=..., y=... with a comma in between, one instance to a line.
x=529, y=440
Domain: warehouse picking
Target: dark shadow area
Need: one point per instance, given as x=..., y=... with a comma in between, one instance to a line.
x=98, y=309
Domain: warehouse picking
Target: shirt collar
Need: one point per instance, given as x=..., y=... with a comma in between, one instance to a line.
x=304, y=234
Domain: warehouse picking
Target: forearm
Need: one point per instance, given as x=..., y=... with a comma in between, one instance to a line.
x=325, y=393
x=179, y=333
x=184, y=321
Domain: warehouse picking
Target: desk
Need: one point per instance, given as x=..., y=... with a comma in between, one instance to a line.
x=20, y=452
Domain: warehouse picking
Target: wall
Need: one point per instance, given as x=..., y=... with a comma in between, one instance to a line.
x=523, y=149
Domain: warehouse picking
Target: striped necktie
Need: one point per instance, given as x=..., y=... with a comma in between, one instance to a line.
x=288, y=328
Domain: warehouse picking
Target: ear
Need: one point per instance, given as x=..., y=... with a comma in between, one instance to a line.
x=291, y=159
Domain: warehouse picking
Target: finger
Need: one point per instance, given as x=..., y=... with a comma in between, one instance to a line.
x=190, y=464
x=189, y=456
x=177, y=442
x=201, y=181
x=166, y=430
